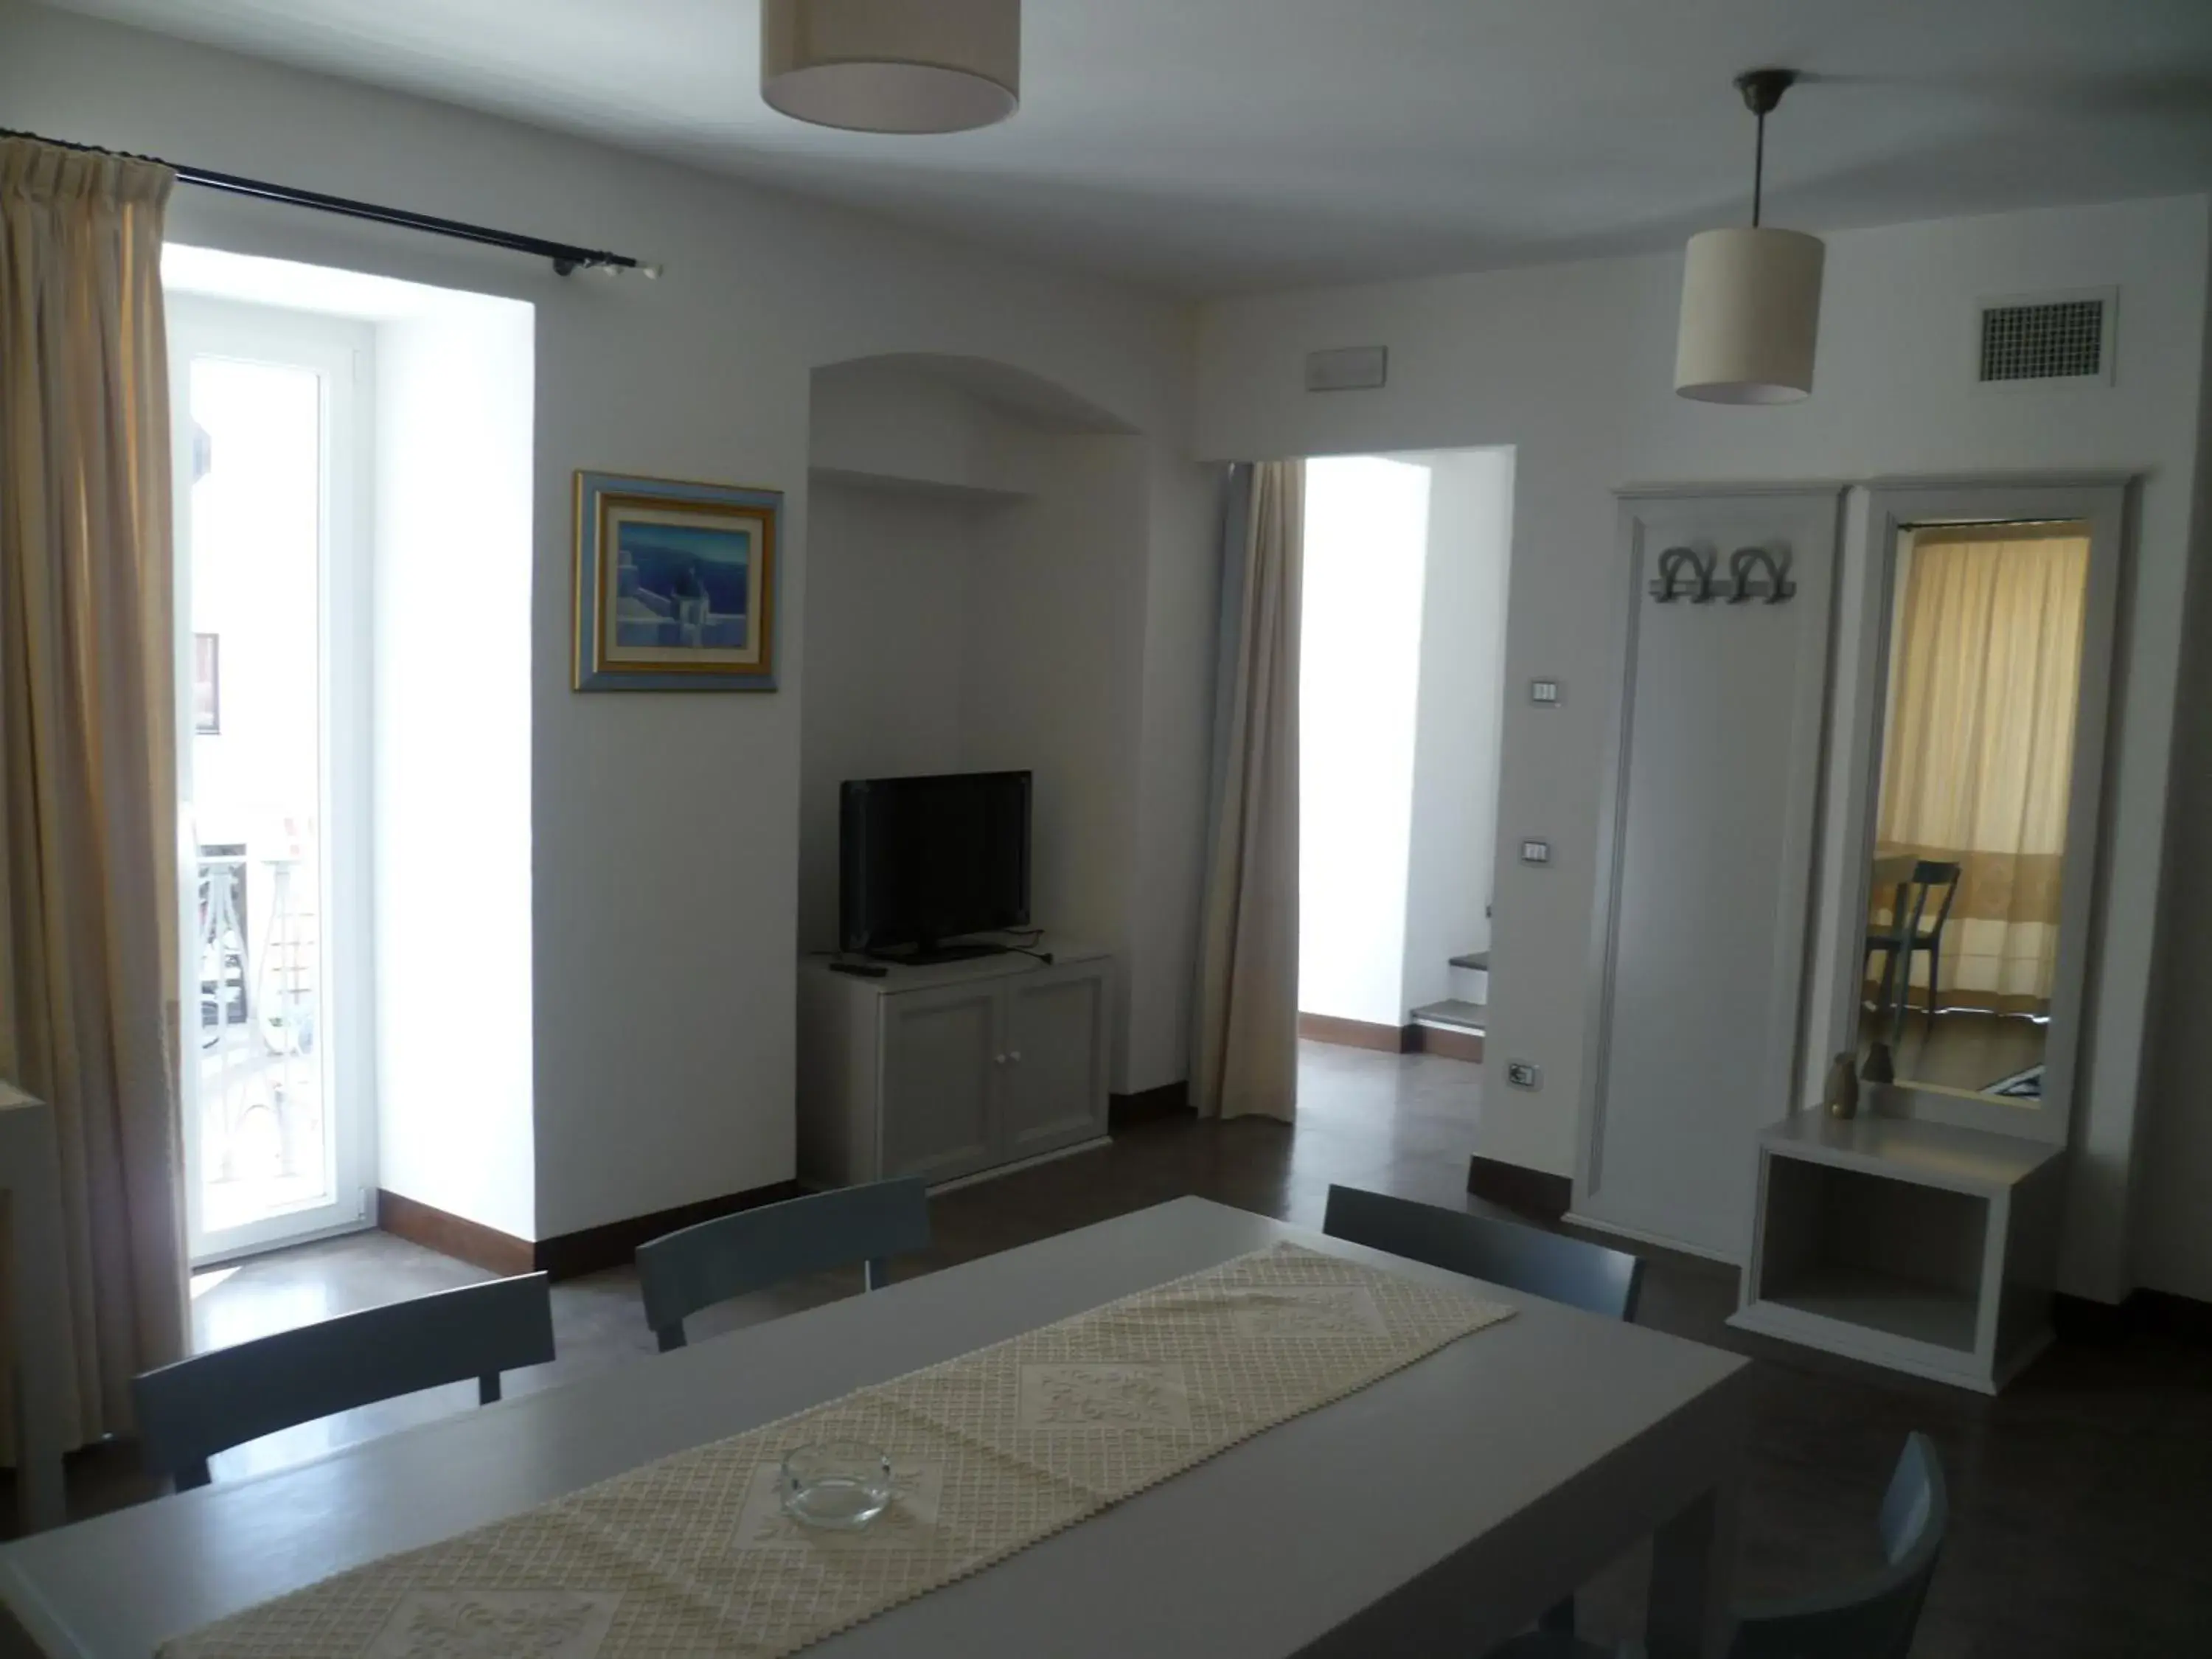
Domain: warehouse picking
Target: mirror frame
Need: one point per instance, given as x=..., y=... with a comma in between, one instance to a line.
x=1893, y=506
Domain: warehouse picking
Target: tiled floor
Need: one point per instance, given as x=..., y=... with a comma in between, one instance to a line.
x=2083, y=1497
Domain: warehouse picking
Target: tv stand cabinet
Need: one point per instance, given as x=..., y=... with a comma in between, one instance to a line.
x=950, y=1069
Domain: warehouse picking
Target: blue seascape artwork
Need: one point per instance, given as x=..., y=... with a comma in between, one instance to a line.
x=684, y=586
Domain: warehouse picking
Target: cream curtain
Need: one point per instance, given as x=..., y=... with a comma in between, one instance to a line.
x=88, y=859
x=1979, y=764
x=1247, y=1059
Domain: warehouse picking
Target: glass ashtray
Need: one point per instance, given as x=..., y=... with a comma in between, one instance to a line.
x=842, y=1485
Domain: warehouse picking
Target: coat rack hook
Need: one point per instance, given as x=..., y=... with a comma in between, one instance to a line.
x=1701, y=584
x=1774, y=590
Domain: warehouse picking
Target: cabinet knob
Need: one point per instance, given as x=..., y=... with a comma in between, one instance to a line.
x=998, y=1060
x=1015, y=1056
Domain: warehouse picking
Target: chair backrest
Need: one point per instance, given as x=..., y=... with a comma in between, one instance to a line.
x=695, y=1267
x=1876, y=1619
x=198, y=1406
x=1588, y=1276
x=1934, y=873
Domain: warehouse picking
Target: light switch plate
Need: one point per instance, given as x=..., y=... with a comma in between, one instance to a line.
x=1535, y=851
x=1544, y=694
x=1524, y=1074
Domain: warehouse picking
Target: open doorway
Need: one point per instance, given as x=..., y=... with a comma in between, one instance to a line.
x=271, y=436
x=1400, y=697
x=355, y=915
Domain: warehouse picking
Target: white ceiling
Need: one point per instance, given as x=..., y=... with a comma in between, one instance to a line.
x=1213, y=145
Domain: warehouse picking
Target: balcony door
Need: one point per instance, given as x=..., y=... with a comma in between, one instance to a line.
x=273, y=615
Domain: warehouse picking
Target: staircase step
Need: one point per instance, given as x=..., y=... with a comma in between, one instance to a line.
x=1454, y=1015
x=1473, y=959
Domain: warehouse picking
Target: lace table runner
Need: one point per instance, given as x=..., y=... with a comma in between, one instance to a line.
x=995, y=1452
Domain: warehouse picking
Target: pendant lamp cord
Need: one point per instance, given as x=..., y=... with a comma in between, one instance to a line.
x=1762, y=90
x=1758, y=169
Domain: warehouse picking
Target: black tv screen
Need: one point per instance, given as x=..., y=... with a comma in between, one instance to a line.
x=922, y=860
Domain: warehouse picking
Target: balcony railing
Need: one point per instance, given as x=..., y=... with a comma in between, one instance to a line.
x=263, y=1118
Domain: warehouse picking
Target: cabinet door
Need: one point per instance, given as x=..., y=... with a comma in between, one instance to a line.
x=940, y=1071
x=1055, y=1070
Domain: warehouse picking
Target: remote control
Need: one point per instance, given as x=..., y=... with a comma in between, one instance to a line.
x=860, y=969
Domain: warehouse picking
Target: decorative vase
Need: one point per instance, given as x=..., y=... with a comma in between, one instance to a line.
x=1843, y=1093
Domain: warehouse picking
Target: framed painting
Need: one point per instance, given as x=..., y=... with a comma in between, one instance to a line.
x=675, y=585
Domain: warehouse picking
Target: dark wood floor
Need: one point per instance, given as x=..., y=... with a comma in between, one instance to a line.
x=2083, y=1497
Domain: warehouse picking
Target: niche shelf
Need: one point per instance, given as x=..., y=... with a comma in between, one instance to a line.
x=1927, y=1247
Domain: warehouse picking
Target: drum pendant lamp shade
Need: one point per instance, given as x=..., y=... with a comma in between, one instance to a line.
x=1751, y=316
x=1751, y=295
x=892, y=65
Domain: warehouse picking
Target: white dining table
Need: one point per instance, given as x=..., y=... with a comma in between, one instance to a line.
x=1437, y=1510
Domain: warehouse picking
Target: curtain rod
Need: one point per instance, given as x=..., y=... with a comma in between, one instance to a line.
x=566, y=255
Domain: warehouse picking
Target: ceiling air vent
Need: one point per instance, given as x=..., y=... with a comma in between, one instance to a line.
x=2049, y=339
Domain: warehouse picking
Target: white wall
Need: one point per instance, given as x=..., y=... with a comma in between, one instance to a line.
x=665, y=890
x=451, y=790
x=885, y=424
x=1453, y=835
x=887, y=638
x=1367, y=529
x=1053, y=685
x=1175, y=736
x=1573, y=366
x=2174, y=1241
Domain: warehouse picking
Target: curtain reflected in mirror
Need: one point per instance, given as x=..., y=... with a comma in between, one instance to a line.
x=1977, y=777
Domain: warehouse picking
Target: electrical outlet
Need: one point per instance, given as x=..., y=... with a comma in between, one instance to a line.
x=1544, y=694
x=1524, y=1074
x=1535, y=851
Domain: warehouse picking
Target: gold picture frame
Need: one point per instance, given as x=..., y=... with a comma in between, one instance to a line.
x=675, y=585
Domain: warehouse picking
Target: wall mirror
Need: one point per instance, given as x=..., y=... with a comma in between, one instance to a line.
x=1977, y=864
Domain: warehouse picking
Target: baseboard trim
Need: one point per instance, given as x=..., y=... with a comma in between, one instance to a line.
x=1356, y=1033
x=1440, y=1040
x=455, y=1236
x=1148, y=1105
x=568, y=1255
x=1097, y=1144
x=2079, y=1319
x=1532, y=1191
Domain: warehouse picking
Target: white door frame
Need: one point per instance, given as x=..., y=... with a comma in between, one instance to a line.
x=338, y=351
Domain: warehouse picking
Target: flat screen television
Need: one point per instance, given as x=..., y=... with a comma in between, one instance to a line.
x=922, y=861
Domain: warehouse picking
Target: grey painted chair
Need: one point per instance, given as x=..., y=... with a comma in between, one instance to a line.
x=196, y=1407
x=695, y=1267
x=1873, y=1621
x=1581, y=1275
x=1905, y=935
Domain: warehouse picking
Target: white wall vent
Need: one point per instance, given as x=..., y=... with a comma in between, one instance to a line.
x=2047, y=339
x=1348, y=369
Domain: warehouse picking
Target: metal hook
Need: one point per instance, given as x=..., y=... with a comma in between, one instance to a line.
x=1776, y=587
x=1670, y=563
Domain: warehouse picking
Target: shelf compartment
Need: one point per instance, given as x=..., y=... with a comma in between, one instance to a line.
x=1911, y=1309
x=1880, y=1254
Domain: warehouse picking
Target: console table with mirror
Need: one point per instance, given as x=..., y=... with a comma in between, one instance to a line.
x=1922, y=1233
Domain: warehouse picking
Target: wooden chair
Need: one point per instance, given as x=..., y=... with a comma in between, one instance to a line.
x=695, y=1267
x=1559, y=1269
x=1873, y=1621
x=1903, y=936
x=196, y=1407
